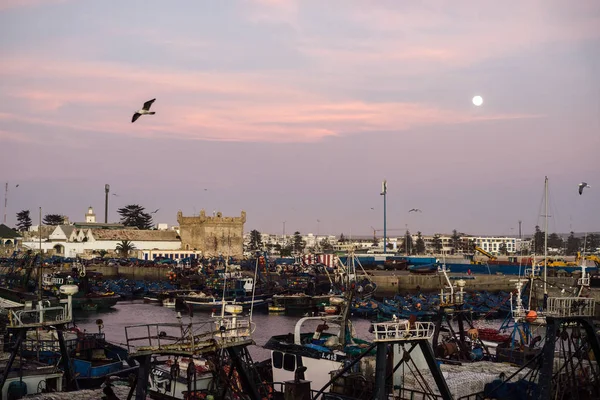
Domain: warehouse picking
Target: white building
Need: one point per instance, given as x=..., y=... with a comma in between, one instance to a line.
x=447, y=245
x=90, y=236
x=493, y=244
x=69, y=241
x=150, y=255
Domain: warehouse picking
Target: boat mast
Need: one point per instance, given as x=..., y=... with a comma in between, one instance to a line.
x=40, y=270
x=545, y=236
x=5, y=200
x=223, y=302
x=254, y=281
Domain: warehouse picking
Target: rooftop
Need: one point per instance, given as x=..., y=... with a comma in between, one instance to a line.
x=8, y=233
x=134, y=235
x=97, y=225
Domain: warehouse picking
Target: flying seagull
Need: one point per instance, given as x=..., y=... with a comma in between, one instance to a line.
x=155, y=211
x=581, y=186
x=17, y=185
x=114, y=194
x=414, y=210
x=145, y=110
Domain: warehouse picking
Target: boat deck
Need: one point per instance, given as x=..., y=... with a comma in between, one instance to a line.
x=188, y=340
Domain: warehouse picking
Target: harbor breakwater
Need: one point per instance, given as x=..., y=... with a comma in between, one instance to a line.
x=389, y=283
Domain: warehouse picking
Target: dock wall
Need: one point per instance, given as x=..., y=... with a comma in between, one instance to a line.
x=390, y=285
x=129, y=272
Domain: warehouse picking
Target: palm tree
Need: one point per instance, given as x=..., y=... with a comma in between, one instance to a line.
x=124, y=248
x=102, y=253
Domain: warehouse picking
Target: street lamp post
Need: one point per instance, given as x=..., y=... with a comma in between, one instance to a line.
x=384, y=194
x=106, y=191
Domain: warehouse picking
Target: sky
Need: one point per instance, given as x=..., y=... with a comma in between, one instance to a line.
x=296, y=111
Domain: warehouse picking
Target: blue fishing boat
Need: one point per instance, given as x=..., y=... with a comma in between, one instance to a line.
x=92, y=357
x=423, y=268
x=95, y=359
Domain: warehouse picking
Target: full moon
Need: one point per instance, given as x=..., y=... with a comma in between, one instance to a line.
x=478, y=100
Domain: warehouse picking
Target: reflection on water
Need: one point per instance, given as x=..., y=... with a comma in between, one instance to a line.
x=128, y=313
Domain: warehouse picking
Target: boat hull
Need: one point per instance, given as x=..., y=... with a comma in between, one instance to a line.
x=91, y=376
x=161, y=385
x=102, y=302
x=199, y=305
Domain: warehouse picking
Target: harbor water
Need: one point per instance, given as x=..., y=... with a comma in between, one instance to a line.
x=128, y=313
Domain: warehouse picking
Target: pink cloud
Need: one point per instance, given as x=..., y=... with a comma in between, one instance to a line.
x=8, y=136
x=9, y=4
x=255, y=108
x=456, y=33
x=273, y=11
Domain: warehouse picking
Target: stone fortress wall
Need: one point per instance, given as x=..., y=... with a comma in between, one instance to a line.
x=212, y=235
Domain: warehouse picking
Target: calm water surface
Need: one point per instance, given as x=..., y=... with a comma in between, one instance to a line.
x=138, y=313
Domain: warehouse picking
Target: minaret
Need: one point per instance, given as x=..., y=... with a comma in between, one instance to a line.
x=90, y=217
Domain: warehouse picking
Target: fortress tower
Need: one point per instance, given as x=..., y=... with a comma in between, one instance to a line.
x=213, y=236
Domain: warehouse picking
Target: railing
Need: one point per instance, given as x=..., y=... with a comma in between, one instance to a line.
x=571, y=307
x=48, y=345
x=187, y=338
x=6, y=304
x=583, y=281
x=42, y=315
x=402, y=330
x=532, y=271
x=232, y=327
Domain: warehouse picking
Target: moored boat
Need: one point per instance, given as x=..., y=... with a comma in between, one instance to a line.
x=169, y=302
x=423, y=269
x=172, y=378
x=276, y=309
x=30, y=377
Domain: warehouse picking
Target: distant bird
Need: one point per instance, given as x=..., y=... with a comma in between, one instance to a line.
x=17, y=185
x=114, y=194
x=155, y=211
x=414, y=210
x=372, y=208
x=144, y=111
x=581, y=186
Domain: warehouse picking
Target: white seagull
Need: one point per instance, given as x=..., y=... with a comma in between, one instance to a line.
x=414, y=210
x=145, y=110
x=581, y=186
